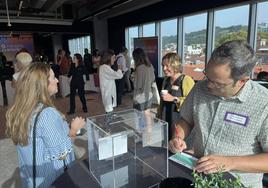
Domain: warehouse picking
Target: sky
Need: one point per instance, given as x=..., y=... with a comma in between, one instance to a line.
x=223, y=18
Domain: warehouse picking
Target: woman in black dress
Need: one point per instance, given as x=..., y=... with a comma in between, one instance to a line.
x=177, y=86
x=77, y=71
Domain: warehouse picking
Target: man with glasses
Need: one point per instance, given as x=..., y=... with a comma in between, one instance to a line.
x=229, y=115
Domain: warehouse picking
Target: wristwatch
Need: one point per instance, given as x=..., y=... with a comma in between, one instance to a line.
x=175, y=100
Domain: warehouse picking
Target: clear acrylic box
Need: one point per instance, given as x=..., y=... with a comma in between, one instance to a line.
x=127, y=149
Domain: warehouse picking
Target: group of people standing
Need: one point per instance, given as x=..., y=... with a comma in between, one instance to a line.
x=75, y=68
x=225, y=114
x=226, y=111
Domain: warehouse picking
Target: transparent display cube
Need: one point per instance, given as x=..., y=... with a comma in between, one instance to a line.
x=127, y=149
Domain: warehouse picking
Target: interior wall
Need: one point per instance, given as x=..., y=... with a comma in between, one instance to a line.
x=57, y=45
x=57, y=41
x=100, y=38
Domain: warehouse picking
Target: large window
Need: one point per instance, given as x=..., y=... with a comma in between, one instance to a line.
x=224, y=24
x=133, y=32
x=77, y=45
x=148, y=30
x=195, y=28
x=168, y=36
x=231, y=24
x=262, y=38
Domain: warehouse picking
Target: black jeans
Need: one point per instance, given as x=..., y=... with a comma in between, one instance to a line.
x=3, y=84
x=120, y=86
x=81, y=93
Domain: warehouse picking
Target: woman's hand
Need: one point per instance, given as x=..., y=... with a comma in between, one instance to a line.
x=76, y=124
x=167, y=97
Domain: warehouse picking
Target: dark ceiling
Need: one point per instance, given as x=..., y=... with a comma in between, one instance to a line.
x=65, y=12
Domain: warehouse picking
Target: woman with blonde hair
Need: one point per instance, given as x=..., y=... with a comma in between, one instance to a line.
x=177, y=86
x=23, y=59
x=38, y=129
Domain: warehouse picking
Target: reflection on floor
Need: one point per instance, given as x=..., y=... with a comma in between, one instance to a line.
x=9, y=172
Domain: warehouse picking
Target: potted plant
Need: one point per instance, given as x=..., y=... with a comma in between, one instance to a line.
x=201, y=180
x=215, y=180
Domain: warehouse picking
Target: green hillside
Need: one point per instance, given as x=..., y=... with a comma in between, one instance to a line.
x=199, y=37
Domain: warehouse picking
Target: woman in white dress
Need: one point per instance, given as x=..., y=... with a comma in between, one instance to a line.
x=107, y=78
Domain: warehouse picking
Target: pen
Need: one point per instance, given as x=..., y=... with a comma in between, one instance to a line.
x=177, y=134
x=177, y=131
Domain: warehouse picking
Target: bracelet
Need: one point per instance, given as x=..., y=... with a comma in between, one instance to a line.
x=175, y=100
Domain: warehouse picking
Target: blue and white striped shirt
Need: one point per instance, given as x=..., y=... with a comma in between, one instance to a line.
x=52, y=141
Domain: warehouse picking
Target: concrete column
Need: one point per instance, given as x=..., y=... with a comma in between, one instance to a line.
x=57, y=44
x=100, y=33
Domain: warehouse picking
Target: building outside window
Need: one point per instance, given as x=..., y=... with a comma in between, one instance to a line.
x=195, y=28
x=231, y=24
x=168, y=36
x=262, y=38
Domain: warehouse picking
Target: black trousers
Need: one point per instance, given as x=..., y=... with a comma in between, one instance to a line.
x=3, y=84
x=81, y=93
x=120, y=86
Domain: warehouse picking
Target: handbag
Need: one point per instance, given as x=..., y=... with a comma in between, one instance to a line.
x=63, y=157
x=96, y=80
x=156, y=96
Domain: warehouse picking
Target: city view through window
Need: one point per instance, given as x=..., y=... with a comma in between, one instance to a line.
x=262, y=38
x=229, y=24
x=195, y=29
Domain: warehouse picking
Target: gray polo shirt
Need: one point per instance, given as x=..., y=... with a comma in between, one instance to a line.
x=232, y=127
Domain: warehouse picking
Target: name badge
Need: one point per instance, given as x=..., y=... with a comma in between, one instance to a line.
x=236, y=118
x=174, y=87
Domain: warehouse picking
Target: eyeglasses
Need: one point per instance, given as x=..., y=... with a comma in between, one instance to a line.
x=216, y=84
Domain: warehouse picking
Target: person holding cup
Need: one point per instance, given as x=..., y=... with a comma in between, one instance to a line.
x=176, y=86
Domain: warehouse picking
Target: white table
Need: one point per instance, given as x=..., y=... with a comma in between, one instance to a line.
x=90, y=85
x=65, y=85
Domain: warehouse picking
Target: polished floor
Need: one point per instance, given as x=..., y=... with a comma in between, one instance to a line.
x=9, y=172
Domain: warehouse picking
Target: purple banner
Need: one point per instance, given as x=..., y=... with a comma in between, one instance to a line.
x=10, y=45
x=150, y=46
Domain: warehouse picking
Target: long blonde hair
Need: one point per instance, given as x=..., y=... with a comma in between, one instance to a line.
x=32, y=89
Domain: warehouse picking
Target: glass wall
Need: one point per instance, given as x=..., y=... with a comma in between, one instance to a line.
x=195, y=29
x=262, y=38
x=148, y=30
x=231, y=24
x=133, y=32
x=77, y=45
x=225, y=24
x=168, y=36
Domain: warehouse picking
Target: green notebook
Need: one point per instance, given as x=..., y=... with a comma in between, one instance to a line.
x=184, y=159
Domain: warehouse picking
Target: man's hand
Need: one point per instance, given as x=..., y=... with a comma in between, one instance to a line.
x=177, y=145
x=214, y=163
